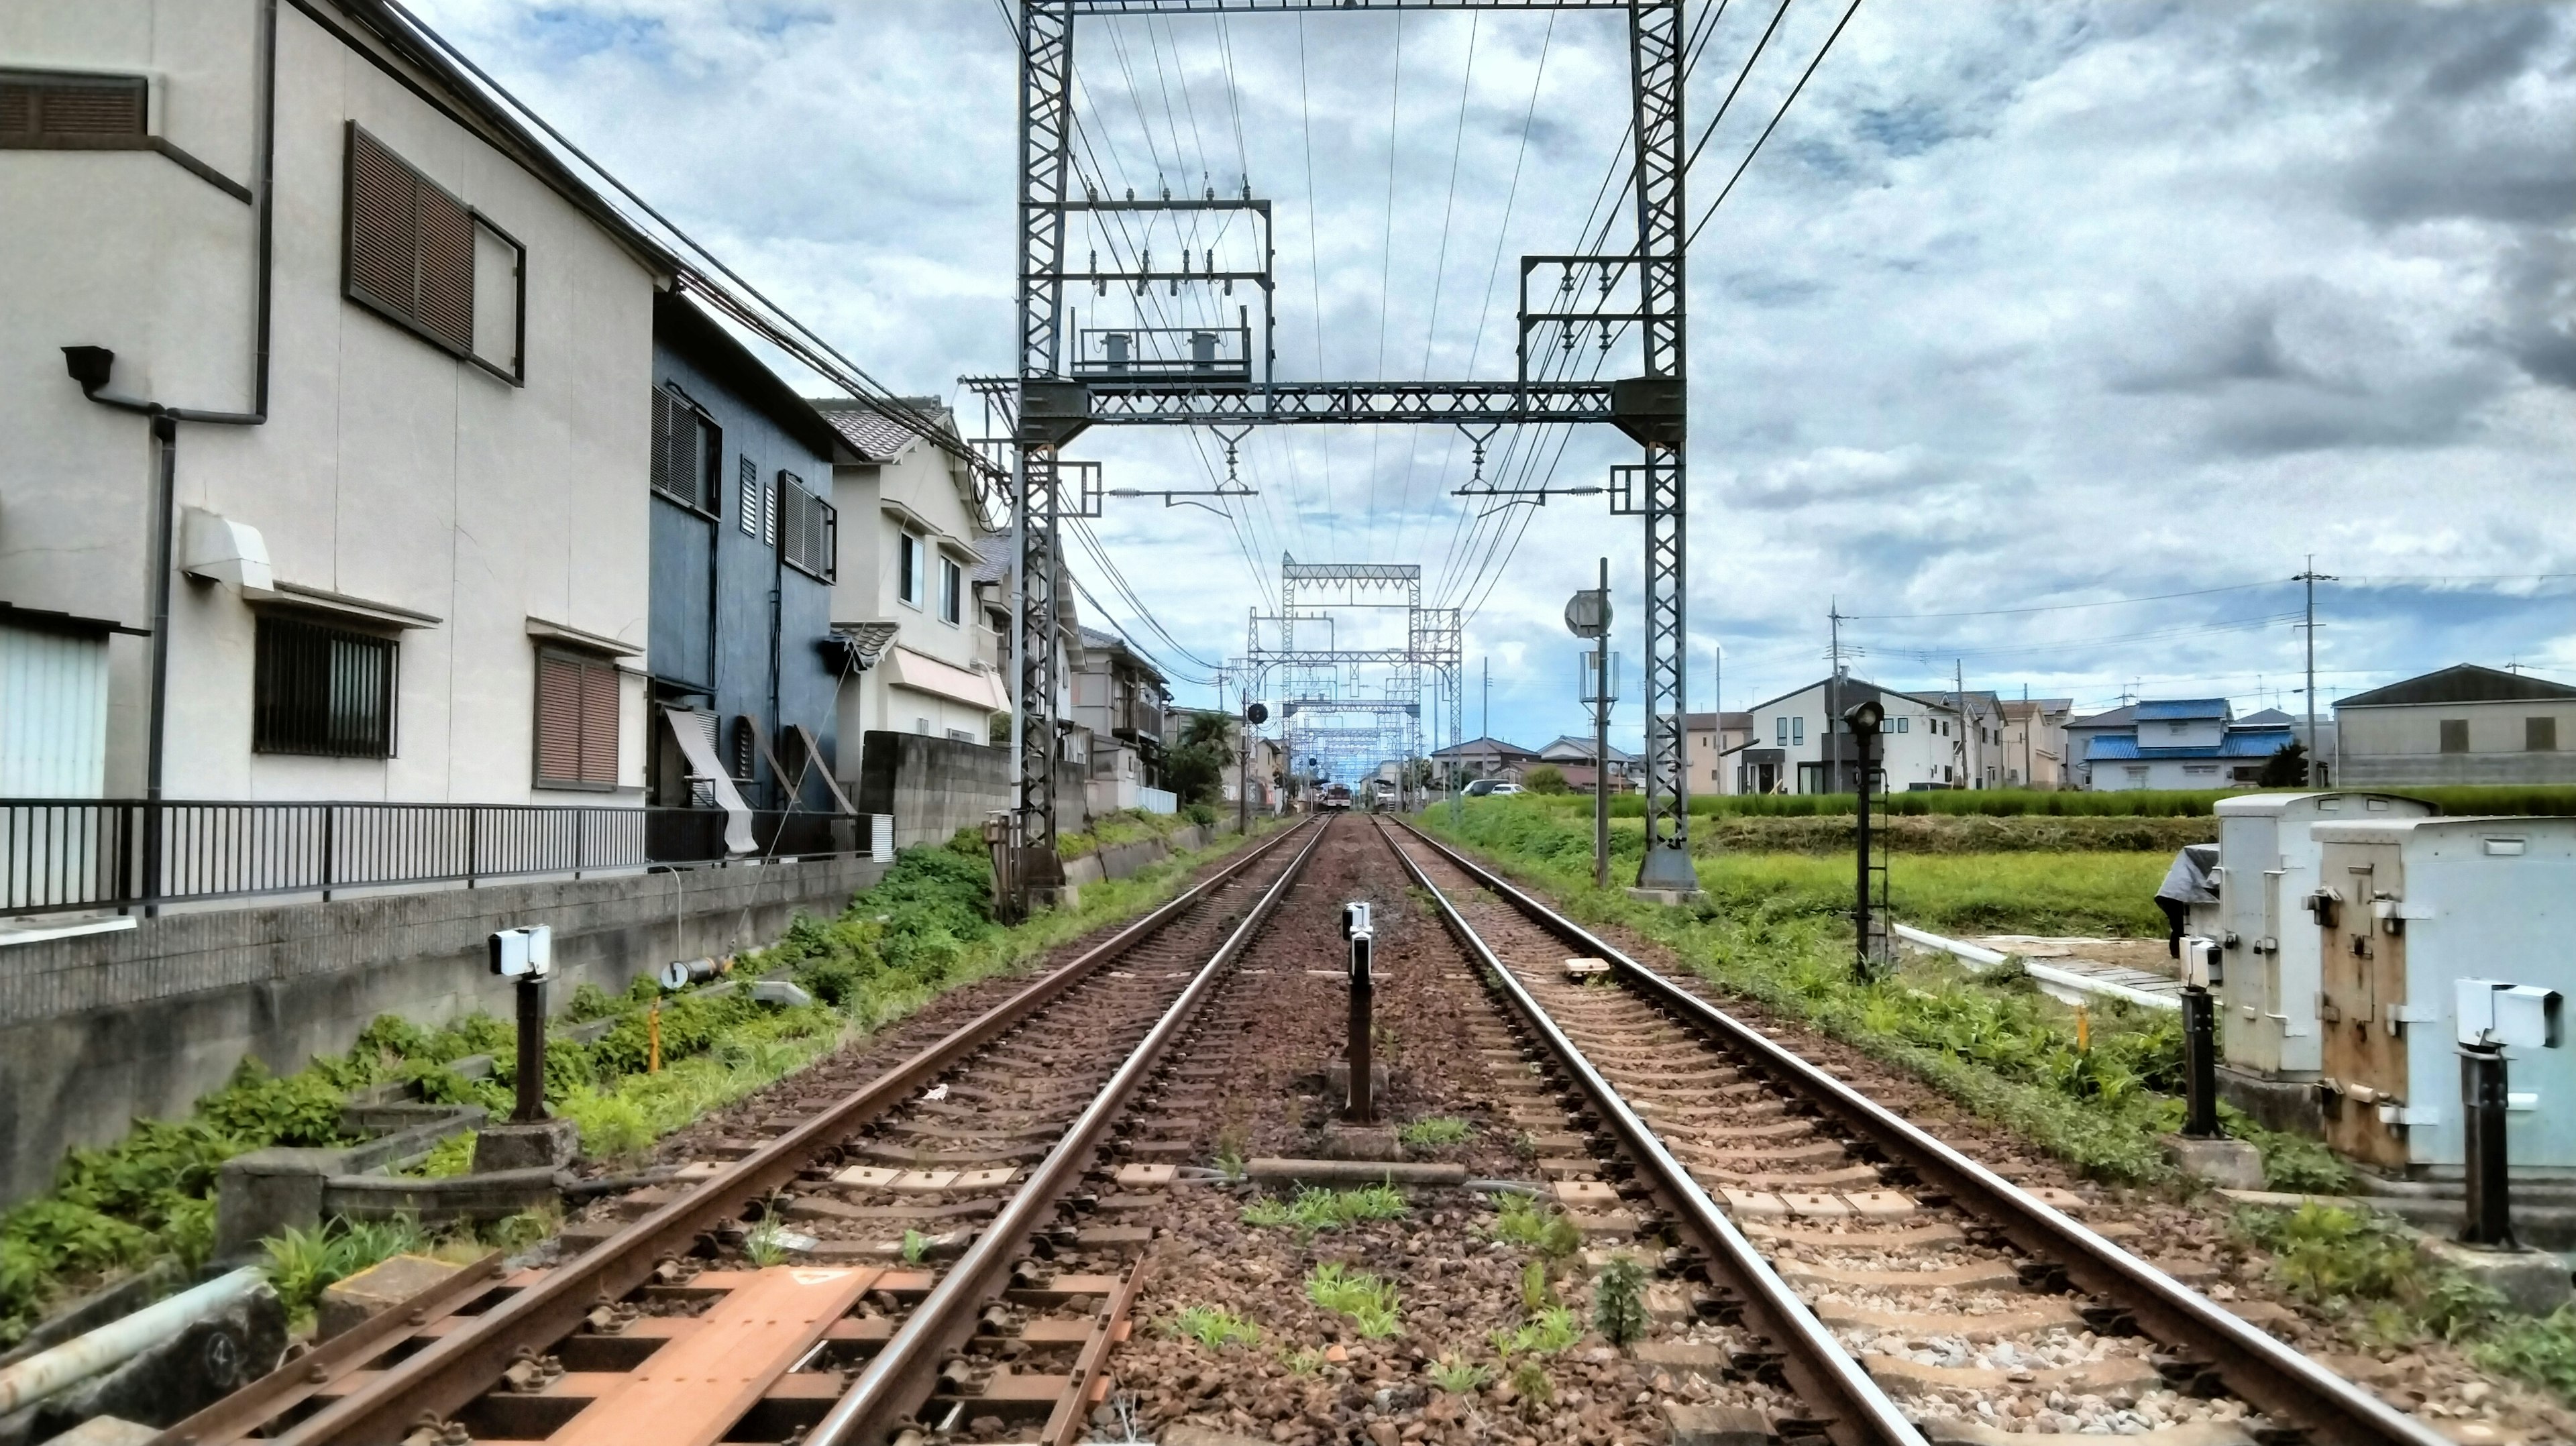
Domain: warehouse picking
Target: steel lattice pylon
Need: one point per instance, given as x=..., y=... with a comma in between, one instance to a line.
x=1054, y=403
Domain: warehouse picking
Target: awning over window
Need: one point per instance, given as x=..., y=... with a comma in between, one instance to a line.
x=925, y=674
x=704, y=768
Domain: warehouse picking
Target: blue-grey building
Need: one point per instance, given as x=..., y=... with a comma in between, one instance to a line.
x=2185, y=743
x=745, y=672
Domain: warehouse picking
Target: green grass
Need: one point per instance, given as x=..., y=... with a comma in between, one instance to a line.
x=2171, y=803
x=1458, y=1376
x=301, y=1264
x=1524, y=1222
x=1212, y=1327
x=1435, y=1132
x=1548, y=1330
x=1371, y=1302
x=2365, y=1270
x=1312, y=1210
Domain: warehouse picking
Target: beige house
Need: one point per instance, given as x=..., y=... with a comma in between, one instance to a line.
x=2034, y=742
x=370, y=370
x=911, y=527
x=1710, y=737
x=2463, y=724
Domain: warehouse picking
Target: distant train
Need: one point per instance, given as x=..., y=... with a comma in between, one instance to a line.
x=1334, y=796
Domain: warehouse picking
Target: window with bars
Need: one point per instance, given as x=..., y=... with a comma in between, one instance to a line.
x=810, y=528
x=576, y=721
x=688, y=452
x=322, y=690
x=41, y=110
x=747, y=501
x=412, y=253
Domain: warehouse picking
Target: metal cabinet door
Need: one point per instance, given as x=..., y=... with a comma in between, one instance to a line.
x=2363, y=970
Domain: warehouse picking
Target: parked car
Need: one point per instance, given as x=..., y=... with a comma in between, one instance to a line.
x=1491, y=788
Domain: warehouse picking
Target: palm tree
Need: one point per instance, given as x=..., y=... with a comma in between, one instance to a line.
x=1211, y=730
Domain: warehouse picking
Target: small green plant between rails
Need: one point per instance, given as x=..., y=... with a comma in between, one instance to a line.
x=1522, y=1221
x=1457, y=1375
x=1435, y=1132
x=1311, y=1209
x=921, y=930
x=1372, y=1303
x=1212, y=1327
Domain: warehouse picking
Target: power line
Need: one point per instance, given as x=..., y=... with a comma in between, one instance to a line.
x=2066, y=607
x=1774, y=125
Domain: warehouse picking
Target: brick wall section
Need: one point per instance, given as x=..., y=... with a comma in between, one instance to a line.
x=98, y=1029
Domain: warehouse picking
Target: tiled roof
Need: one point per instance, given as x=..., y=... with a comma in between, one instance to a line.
x=871, y=639
x=2170, y=710
x=872, y=434
x=2239, y=743
x=2462, y=683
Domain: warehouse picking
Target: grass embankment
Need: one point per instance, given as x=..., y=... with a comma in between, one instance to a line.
x=1914, y=835
x=2366, y=1271
x=150, y=1197
x=1133, y=825
x=2141, y=803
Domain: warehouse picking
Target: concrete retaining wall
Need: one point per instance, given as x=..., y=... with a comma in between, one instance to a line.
x=936, y=786
x=1121, y=861
x=98, y=1029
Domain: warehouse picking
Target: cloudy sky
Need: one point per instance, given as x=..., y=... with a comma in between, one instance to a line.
x=2022, y=306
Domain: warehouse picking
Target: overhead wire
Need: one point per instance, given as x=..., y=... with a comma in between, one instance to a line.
x=1776, y=117
x=1386, y=263
x=1439, y=273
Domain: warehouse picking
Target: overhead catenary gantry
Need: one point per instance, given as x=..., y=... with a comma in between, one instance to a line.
x=1072, y=376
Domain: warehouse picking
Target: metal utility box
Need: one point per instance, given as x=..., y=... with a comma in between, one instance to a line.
x=2267, y=863
x=2401, y=912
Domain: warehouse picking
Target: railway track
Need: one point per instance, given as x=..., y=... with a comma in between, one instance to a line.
x=1876, y=1262
x=819, y=1287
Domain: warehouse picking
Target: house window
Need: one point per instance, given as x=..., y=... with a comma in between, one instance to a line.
x=688, y=451
x=2455, y=735
x=2137, y=773
x=412, y=255
x=1901, y=721
x=1780, y=731
x=811, y=537
x=322, y=690
x=1798, y=729
x=576, y=721
x=908, y=571
x=952, y=586
x=40, y=111
x=2540, y=735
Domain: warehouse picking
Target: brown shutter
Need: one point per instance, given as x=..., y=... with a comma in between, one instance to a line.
x=446, y=238
x=559, y=719
x=382, y=198
x=17, y=111
x=38, y=106
x=598, y=723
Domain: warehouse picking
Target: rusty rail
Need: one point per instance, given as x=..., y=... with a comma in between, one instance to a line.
x=1818, y=1369
x=2264, y=1372
x=451, y=1372
x=900, y=1376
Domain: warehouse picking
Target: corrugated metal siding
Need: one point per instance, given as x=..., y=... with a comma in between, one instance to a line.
x=53, y=715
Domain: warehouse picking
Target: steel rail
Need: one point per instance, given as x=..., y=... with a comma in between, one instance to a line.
x=452, y=1371
x=900, y=1377
x=1819, y=1370
x=2276, y=1379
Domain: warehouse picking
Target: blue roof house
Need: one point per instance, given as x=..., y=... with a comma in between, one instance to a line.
x=2183, y=743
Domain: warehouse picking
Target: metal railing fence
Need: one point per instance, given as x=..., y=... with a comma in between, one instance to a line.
x=58, y=855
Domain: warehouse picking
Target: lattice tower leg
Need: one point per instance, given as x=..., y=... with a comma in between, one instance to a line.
x=1656, y=59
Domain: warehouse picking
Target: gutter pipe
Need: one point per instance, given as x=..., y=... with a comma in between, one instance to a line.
x=91, y=366
x=119, y=1341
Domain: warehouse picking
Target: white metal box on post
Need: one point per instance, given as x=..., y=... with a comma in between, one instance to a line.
x=2406, y=911
x=2267, y=863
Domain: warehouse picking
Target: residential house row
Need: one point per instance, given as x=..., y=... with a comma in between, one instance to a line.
x=360, y=451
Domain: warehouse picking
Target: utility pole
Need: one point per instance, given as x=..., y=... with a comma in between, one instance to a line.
x=1833, y=739
x=2312, y=577
x=1485, y=725
x=1959, y=690
x=1717, y=705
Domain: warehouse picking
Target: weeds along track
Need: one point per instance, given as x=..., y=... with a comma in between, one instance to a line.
x=1878, y=1262
x=817, y=1285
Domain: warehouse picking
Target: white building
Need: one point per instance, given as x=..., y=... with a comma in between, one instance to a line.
x=411, y=362
x=1798, y=744
x=912, y=524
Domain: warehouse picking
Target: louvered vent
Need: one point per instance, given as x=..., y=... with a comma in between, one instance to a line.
x=807, y=528
x=35, y=108
x=411, y=246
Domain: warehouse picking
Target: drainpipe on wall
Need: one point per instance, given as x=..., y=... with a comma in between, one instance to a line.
x=92, y=366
